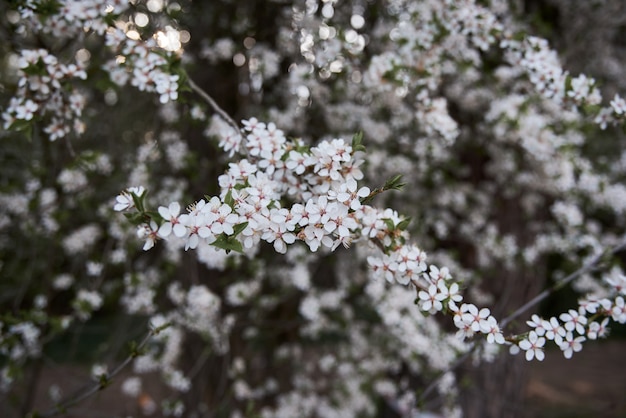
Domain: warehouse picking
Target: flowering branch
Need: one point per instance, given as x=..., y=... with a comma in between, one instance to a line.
x=250, y=209
x=559, y=284
x=536, y=300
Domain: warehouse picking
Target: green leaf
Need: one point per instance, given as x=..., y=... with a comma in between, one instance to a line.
x=135, y=218
x=103, y=381
x=394, y=183
x=390, y=225
x=239, y=228
x=48, y=7
x=38, y=68
x=110, y=18
x=133, y=348
x=228, y=243
x=568, y=83
x=519, y=36
x=155, y=216
x=139, y=201
x=357, y=142
x=228, y=199
x=20, y=125
x=301, y=147
x=403, y=225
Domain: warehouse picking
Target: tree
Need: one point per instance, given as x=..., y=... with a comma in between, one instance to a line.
x=283, y=269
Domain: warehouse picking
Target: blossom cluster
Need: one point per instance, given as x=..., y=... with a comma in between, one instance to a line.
x=46, y=92
x=436, y=291
x=572, y=328
x=70, y=18
x=250, y=202
x=46, y=84
x=142, y=63
x=541, y=63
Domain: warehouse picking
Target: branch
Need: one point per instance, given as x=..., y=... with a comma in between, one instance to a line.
x=559, y=284
x=63, y=406
x=450, y=368
x=213, y=104
x=537, y=299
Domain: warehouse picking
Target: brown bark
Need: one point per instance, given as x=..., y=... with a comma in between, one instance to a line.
x=497, y=389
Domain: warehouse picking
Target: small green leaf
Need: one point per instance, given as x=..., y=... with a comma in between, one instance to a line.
x=228, y=199
x=519, y=36
x=139, y=201
x=390, y=225
x=239, y=228
x=302, y=147
x=568, y=83
x=20, y=125
x=357, y=142
x=135, y=218
x=103, y=381
x=48, y=7
x=403, y=225
x=228, y=244
x=394, y=183
x=136, y=350
x=155, y=216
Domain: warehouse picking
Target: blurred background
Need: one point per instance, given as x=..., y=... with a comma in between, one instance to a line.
x=60, y=236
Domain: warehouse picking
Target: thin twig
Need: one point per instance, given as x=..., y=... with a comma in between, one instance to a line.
x=70, y=148
x=213, y=104
x=62, y=407
x=450, y=368
x=558, y=285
